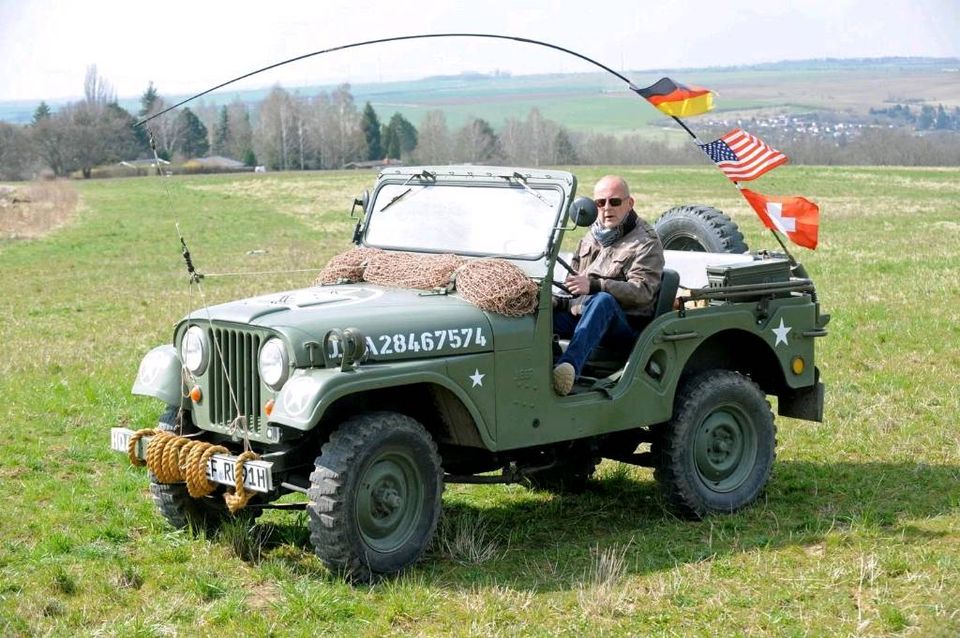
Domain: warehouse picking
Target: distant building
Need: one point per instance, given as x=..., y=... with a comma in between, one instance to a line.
x=144, y=163
x=374, y=164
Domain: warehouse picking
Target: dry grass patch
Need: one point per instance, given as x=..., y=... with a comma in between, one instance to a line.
x=33, y=210
x=466, y=539
x=308, y=199
x=602, y=593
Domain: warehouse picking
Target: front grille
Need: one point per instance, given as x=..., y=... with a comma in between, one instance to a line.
x=239, y=350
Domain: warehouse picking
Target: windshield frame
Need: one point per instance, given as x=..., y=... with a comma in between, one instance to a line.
x=554, y=212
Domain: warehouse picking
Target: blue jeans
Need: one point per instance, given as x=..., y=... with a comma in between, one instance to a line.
x=602, y=322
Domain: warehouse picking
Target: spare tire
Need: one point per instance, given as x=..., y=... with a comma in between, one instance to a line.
x=699, y=228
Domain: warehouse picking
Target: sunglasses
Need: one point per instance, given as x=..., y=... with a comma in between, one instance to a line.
x=614, y=202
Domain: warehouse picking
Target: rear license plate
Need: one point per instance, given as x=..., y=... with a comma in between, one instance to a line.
x=257, y=475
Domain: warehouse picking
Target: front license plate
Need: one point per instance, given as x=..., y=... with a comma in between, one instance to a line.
x=257, y=475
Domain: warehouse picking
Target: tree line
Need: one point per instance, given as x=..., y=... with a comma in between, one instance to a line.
x=288, y=131
x=925, y=118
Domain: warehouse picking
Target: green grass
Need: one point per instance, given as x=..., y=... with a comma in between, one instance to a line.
x=857, y=533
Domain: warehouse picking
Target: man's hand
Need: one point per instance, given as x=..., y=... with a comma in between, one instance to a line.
x=578, y=284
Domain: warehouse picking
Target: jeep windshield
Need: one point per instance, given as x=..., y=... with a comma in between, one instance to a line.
x=510, y=220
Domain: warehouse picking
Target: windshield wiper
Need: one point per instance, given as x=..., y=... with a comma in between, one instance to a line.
x=523, y=182
x=395, y=199
x=421, y=175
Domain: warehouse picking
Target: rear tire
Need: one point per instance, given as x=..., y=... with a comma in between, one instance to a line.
x=699, y=228
x=375, y=496
x=717, y=452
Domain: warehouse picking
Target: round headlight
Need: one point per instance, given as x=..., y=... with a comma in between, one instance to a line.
x=194, y=351
x=274, y=363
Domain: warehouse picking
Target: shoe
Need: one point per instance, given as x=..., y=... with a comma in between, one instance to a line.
x=563, y=376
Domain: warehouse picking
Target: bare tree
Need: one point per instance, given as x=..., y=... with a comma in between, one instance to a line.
x=349, y=143
x=476, y=143
x=49, y=136
x=433, y=141
x=274, y=131
x=97, y=92
x=16, y=152
x=96, y=130
x=239, y=143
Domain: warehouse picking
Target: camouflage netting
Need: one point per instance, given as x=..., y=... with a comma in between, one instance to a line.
x=497, y=286
x=494, y=285
x=347, y=267
x=411, y=270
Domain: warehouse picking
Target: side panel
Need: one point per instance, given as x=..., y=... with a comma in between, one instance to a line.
x=310, y=392
x=529, y=413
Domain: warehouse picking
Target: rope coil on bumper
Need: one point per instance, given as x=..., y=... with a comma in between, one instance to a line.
x=176, y=459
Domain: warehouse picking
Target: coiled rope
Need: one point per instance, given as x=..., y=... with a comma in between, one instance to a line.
x=177, y=459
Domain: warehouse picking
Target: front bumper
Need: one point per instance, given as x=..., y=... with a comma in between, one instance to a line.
x=257, y=475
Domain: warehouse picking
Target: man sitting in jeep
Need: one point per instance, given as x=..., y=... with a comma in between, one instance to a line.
x=616, y=275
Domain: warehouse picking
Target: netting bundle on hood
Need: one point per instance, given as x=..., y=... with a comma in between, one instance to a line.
x=496, y=285
x=411, y=270
x=347, y=267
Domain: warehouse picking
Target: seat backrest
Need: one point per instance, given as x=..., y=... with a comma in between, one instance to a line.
x=669, y=284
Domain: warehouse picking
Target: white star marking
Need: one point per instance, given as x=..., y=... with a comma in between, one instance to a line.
x=781, y=333
x=477, y=378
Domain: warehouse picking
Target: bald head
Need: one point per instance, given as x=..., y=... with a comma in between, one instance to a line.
x=609, y=190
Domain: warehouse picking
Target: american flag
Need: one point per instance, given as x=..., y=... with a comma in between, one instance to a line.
x=743, y=157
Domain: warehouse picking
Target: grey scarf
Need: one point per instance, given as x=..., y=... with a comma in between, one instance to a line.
x=607, y=236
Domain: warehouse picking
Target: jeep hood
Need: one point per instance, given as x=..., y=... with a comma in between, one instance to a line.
x=397, y=323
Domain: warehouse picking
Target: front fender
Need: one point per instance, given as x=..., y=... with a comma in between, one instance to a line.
x=311, y=391
x=160, y=376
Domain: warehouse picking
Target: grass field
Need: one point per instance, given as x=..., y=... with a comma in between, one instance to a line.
x=857, y=534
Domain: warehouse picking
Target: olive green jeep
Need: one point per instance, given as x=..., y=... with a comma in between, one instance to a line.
x=368, y=399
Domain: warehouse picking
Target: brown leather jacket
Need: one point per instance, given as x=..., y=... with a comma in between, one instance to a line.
x=630, y=269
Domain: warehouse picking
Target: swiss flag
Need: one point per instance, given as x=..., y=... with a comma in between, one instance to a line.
x=796, y=217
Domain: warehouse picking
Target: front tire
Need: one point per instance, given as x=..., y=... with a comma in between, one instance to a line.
x=176, y=505
x=717, y=452
x=375, y=495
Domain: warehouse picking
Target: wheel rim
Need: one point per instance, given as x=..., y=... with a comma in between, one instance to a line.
x=685, y=242
x=725, y=449
x=389, y=501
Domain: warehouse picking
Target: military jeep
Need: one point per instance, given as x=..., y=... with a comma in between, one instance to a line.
x=367, y=399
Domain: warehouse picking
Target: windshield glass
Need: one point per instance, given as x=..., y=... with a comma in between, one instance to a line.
x=508, y=220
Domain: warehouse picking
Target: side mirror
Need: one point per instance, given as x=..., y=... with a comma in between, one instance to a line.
x=362, y=202
x=583, y=211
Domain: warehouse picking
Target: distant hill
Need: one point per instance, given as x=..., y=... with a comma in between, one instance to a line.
x=601, y=103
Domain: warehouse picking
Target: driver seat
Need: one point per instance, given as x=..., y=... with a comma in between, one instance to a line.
x=605, y=360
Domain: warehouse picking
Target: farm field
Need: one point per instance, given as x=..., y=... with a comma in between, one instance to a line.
x=858, y=532
x=846, y=87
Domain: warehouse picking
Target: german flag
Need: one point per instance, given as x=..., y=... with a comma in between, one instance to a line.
x=676, y=99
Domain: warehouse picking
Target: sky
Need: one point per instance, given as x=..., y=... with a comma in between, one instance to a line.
x=185, y=47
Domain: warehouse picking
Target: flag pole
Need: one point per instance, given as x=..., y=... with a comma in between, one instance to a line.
x=686, y=128
x=793, y=262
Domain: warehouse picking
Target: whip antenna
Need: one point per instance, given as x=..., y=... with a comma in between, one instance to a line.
x=421, y=36
x=195, y=276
